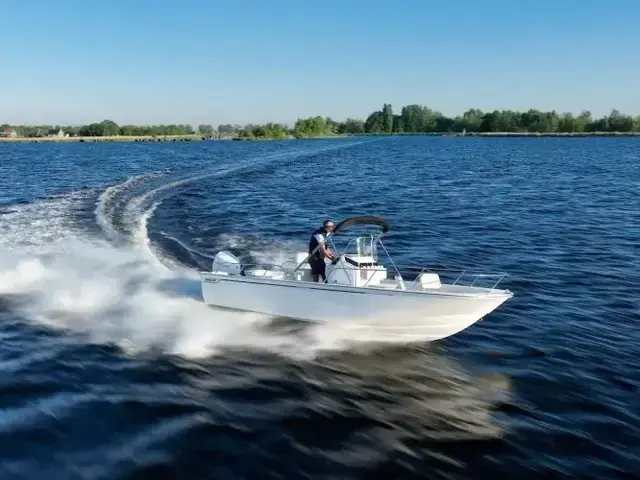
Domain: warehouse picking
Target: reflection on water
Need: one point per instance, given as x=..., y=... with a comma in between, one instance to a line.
x=360, y=408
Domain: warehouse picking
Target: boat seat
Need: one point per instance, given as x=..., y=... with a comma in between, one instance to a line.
x=430, y=280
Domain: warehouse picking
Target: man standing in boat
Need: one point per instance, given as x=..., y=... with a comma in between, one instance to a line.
x=316, y=261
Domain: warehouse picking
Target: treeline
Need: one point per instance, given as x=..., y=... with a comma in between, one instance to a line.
x=107, y=128
x=311, y=127
x=422, y=119
x=303, y=128
x=411, y=119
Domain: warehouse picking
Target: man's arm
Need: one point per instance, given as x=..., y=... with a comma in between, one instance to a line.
x=326, y=252
x=323, y=246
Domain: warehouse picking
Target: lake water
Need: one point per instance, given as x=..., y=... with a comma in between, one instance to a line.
x=111, y=366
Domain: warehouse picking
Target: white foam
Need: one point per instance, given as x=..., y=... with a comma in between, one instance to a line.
x=44, y=222
x=108, y=202
x=117, y=296
x=142, y=241
x=55, y=276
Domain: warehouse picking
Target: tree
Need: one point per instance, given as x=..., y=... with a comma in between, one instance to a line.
x=444, y=124
x=108, y=128
x=566, y=123
x=205, y=130
x=374, y=123
x=619, y=122
x=92, y=130
x=582, y=121
x=398, y=126
x=387, y=118
x=127, y=130
x=352, y=125
x=419, y=119
x=469, y=121
x=228, y=129
x=313, y=127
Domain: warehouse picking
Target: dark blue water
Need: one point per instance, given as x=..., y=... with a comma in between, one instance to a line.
x=111, y=366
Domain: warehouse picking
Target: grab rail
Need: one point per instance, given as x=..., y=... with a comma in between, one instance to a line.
x=405, y=273
x=462, y=273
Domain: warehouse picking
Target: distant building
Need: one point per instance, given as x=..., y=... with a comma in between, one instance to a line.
x=9, y=133
x=57, y=132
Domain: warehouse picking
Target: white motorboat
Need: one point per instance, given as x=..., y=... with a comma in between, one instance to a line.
x=359, y=291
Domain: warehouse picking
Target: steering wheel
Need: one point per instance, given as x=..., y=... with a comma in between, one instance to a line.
x=335, y=260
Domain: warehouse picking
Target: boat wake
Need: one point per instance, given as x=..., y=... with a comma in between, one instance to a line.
x=124, y=210
x=104, y=280
x=109, y=295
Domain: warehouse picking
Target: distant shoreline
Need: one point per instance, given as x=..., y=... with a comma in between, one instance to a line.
x=544, y=134
x=413, y=119
x=505, y=134
x=114, y=138
x=198, y=138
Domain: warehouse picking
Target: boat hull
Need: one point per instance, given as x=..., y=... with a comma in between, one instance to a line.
x=380, y=313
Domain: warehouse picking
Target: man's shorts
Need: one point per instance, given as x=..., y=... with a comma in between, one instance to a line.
x=318, y=267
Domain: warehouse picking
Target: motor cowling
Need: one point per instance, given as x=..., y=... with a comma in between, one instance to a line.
x=226, y=263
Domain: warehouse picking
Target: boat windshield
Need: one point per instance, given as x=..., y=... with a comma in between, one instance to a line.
x=365, y=246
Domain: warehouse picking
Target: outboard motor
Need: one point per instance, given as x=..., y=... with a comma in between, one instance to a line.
x=226, y=263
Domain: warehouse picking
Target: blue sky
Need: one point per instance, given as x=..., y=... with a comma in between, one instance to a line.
x=143, y=61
